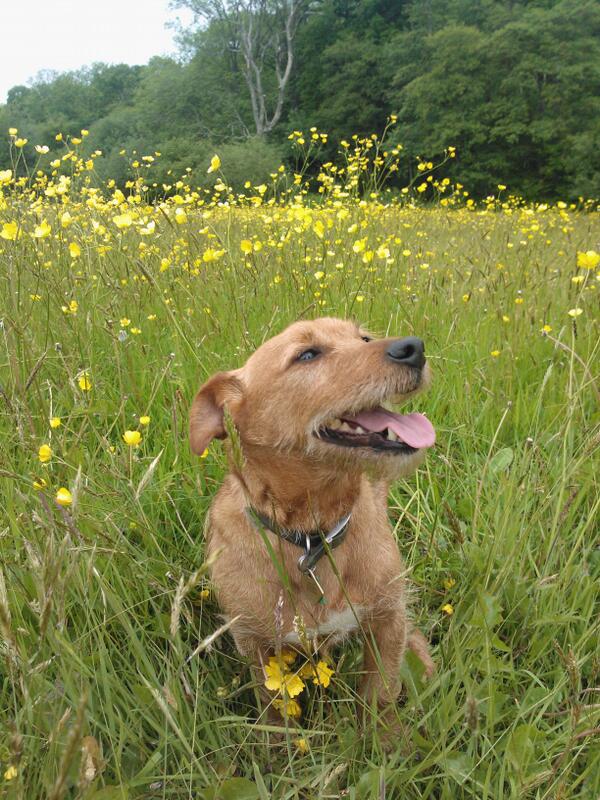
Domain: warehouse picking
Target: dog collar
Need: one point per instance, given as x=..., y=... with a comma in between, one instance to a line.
x=314, y=543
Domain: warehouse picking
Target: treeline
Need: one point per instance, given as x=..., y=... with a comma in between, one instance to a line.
x=514, y=86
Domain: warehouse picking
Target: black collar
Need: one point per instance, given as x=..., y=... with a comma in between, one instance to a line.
x=314, y=543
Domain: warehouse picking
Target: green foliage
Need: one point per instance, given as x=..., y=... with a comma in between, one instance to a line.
x=521, y=102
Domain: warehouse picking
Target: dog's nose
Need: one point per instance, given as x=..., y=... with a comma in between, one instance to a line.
x=409, y=351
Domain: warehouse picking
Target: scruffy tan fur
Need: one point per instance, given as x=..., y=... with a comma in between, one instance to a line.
x=277, y=404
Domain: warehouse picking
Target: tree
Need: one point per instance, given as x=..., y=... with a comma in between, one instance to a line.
x=263, y=32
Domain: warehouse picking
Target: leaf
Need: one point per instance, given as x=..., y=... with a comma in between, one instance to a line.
x=498, y=644
x=232, y=789
x=501, y=460
x=520, y=747
x=260, y=784
x=458, y=766
x=369, y=783
x=487, y=611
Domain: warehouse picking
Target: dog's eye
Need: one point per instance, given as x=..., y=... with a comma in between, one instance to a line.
x=309, y=355
x=366, y=338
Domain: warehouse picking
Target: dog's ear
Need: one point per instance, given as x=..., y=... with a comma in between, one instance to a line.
x=206, y=414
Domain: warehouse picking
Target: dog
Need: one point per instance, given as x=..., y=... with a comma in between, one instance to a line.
x=298, y=535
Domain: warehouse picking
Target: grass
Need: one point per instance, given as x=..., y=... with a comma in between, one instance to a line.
x=103, y=601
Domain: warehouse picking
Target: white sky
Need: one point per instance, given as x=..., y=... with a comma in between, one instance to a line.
x=67, y=34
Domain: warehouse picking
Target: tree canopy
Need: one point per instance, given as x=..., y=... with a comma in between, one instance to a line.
x=514, y=86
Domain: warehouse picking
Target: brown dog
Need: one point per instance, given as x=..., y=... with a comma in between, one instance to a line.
x=317, y=455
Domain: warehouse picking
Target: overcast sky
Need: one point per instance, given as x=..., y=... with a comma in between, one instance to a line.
x=68, y=34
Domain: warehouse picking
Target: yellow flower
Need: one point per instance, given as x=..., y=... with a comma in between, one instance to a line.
x=588, y=260
x=449, y=583
x=320, y=274
x=10, y=773
x=132, y=438
x=64, y=497
x=42, y=230
x=575, y=312
x=215, y=163
x=124, y=322
x=21, y=142
x=39, y=484
x=71, y=308
x=546, y=328
x=123, y=220
x=205, y=593
x=279, y=679
x=144, y=420
x=45, y=453
x=13, y=131
x=180, y=216
x=10, y=231
x=505, y=318
x=495, y=353
x=319, y=228
x=212, y=255
x=448, y=609
x=323, y=674
x=84, y=382
x=501, y=186
x=204, y=453
x=55, y=422
x=74, y=250
x=301, y=745
x=290, y=708
x=246, y=246
x=288, y=656
x=359, y=298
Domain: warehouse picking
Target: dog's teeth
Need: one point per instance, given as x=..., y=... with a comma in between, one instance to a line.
x=358, y=429
x=334, y=424
x=345, y=427
x=391, y=435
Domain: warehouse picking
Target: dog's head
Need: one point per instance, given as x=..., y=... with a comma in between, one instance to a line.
x=317, y=390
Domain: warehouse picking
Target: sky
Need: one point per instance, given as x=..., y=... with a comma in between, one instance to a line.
x=64, y=35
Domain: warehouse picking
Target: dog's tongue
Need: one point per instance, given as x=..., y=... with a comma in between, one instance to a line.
x=413, y=429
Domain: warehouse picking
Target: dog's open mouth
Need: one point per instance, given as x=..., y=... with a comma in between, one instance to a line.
x=380, y=429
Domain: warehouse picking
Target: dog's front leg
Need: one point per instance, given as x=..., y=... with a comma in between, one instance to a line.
x=384, y=648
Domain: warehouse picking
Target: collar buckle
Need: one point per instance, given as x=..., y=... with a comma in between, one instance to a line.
x=314, y=543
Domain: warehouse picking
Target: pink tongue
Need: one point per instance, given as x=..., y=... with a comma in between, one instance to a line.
x=413, y=429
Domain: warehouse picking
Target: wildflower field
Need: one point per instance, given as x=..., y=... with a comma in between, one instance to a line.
x=116, y=304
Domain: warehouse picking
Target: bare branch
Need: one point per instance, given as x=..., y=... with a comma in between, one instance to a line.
x=266, y=32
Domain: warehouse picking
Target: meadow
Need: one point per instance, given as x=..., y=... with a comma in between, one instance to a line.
x=116, y=304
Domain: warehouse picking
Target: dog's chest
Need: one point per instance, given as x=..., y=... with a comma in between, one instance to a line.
x=337, y=626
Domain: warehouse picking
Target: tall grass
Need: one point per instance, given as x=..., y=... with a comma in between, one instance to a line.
x=104, y=601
